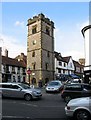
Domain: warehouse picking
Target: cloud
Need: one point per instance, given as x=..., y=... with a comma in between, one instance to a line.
x=76, y=55
x=13, y=46
x=70, y=42
x=18, y=23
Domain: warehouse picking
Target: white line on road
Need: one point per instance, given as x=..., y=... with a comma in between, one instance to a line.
x=34, y=105
x=14, y=117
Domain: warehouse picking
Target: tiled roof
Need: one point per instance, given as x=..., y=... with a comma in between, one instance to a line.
x=12, y=62
x=58, y=56
x=77, y=64
x=66, y=59
x=22, y=57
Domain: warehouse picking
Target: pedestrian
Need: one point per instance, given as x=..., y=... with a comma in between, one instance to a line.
x=79, y=81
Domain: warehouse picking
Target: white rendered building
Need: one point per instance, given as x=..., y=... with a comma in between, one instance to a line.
x=86, y=31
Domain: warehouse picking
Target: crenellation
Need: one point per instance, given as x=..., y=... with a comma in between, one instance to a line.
x=40, y=17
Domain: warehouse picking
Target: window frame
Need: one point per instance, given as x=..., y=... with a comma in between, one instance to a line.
x=34, y=29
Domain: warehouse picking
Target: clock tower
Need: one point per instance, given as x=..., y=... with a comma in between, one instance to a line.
x=40, y=49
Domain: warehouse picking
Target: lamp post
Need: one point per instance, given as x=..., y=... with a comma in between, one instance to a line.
x=29, y=72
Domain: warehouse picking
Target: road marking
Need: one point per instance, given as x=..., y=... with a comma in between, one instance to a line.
x=34, y=105
x=52, y=106
x=14, y=117
x=28, y=104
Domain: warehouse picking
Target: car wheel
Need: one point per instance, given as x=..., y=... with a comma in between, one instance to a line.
x=82, y=115
x=67, y=99
x=28, y=97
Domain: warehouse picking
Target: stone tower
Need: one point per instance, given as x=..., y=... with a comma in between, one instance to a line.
x=40, y=49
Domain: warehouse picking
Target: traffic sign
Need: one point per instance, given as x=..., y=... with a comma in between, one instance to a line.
x=29, y=71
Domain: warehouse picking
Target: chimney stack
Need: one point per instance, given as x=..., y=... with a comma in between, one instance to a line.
x=6, y=53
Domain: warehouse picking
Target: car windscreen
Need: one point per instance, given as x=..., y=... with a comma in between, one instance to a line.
x=53, y=83
x=25, y=86
x=73, y=87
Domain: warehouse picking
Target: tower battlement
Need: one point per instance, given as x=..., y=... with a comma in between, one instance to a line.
x=40, y=17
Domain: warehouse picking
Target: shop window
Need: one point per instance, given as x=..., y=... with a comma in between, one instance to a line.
x=33, y=81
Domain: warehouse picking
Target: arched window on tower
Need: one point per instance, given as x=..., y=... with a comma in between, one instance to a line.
x=47, y=30
x=46, y=66
x=48, y=54
x=33, y=54
x=34, y=29
x=33, y=65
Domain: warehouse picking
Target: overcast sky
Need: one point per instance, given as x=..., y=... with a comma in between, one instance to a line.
x=68, y=17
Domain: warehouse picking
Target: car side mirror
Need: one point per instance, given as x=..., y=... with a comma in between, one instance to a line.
x=19, y=89
x=85, y=89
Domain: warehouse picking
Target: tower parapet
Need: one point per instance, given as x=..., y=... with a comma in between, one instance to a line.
x=40, y=17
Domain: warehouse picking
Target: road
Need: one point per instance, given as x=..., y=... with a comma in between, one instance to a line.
x=50, y=107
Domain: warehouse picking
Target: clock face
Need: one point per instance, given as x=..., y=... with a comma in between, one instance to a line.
x=34, y=42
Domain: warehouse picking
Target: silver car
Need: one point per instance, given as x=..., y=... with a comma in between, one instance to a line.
x=54, y=86
x=19, y=90
x=79, y=108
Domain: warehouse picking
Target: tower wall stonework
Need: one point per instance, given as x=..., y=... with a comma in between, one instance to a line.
x=42, y=44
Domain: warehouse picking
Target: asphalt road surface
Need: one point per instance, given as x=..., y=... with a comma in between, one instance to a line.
x=50, y=107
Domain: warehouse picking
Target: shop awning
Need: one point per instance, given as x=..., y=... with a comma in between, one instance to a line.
x=74, y=76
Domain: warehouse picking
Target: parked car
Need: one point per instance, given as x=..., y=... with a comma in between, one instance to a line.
x=19, y=90
x=73, y=81
x=79, y=108
x=54, y=86
x=77, y=90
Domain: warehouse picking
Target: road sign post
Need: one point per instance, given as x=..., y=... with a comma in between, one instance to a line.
x=29, y=72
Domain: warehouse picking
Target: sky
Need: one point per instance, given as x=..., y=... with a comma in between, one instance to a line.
x=68, y=17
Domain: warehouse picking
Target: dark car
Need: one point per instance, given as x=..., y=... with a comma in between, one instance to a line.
x=77, y=90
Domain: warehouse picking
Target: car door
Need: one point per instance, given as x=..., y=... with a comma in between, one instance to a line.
x=86, y=90
x=76, y=91
x=6, y=90
x=16, y=91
